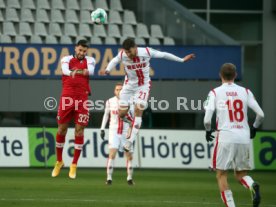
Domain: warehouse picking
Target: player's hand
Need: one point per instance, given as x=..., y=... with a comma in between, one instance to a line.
x=189, y=57
x=253, y=131
x=73, y=73
x=85, y=72
x=102, y=134
x=103, y=72
x=209, y=137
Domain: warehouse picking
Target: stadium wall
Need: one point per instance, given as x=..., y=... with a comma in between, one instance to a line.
x=43, y=61
x=181, y=149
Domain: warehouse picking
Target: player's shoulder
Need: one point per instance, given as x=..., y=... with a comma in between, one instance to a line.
x=90, y=59
x=144, y=51
x=112, y=99
x=215, y=91
x=122, y=54
x=242, y=89
x=66, y=58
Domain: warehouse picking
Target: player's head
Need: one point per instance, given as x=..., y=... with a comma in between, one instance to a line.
x=81, y=49
x=130, y=47
x=228, y=72
x=117, y=89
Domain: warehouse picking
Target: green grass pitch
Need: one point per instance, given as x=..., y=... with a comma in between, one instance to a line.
x=34, y=187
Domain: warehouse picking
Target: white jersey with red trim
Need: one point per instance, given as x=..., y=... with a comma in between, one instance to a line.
x=231, y=101
x=116, y=124
x=138, y=69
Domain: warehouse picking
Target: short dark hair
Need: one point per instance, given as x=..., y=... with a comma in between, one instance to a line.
x=83, y=43
x=129, y=43
x=228, y=71
x=119, y=84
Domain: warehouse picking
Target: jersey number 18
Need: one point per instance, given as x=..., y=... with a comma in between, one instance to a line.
x=235, y=110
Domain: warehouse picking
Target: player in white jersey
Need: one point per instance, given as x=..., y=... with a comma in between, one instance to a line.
x=137, y=80
x=118, y=134
x=231, y=101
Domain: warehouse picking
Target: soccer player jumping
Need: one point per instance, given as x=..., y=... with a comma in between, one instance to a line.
x=137, y=80
x=75, y=90
x=232, y=148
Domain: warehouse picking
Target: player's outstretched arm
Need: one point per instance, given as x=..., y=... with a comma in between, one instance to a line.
x=188, y=57
x=158, y=54
x=111, y=65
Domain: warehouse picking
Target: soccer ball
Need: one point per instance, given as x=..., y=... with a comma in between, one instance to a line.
x=99, y=16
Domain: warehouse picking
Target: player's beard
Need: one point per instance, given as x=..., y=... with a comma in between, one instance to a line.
x=80, y=57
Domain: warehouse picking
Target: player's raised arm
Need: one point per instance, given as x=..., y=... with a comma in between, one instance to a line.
x=111, y=65
x=158, y=54
x=253, y=104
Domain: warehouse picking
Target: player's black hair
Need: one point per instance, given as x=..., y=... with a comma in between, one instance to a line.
x=83, y=43
x=129, y=43
x=228, y=71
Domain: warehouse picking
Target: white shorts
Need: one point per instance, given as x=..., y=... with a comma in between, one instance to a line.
x=140, y=94
x=231, y=156
x=117, y=141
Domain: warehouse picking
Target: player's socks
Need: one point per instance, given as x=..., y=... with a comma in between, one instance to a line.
x=227, y=198
x=247, y=181
x=129, y=170
x=60, y=139
x=109, y=168
x=78, y=148
x=254, y=187
x=135, y=128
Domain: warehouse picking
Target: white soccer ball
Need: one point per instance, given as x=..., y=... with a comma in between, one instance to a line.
x=99, y=16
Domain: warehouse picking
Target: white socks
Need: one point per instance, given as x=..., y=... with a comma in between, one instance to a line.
x=109, y=168
x=247, y=181
x=129, y=170
x=135, y=128
x=227, y=198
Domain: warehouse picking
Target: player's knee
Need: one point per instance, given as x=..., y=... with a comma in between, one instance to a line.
x=79, y=131
x=122, y=114
x=220, y=175
x=129, y=156
x=112, y=156
x=140, y=107
x=62, y=130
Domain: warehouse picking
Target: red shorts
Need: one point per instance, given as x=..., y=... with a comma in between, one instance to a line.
x=73, y=107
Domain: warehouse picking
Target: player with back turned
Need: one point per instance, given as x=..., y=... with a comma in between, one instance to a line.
x=232, y=147
x=76, y=70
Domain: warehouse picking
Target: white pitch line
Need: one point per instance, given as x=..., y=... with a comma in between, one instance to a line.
x=112, y=201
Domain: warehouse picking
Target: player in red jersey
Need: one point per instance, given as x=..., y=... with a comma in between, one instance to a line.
x=73, y=102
